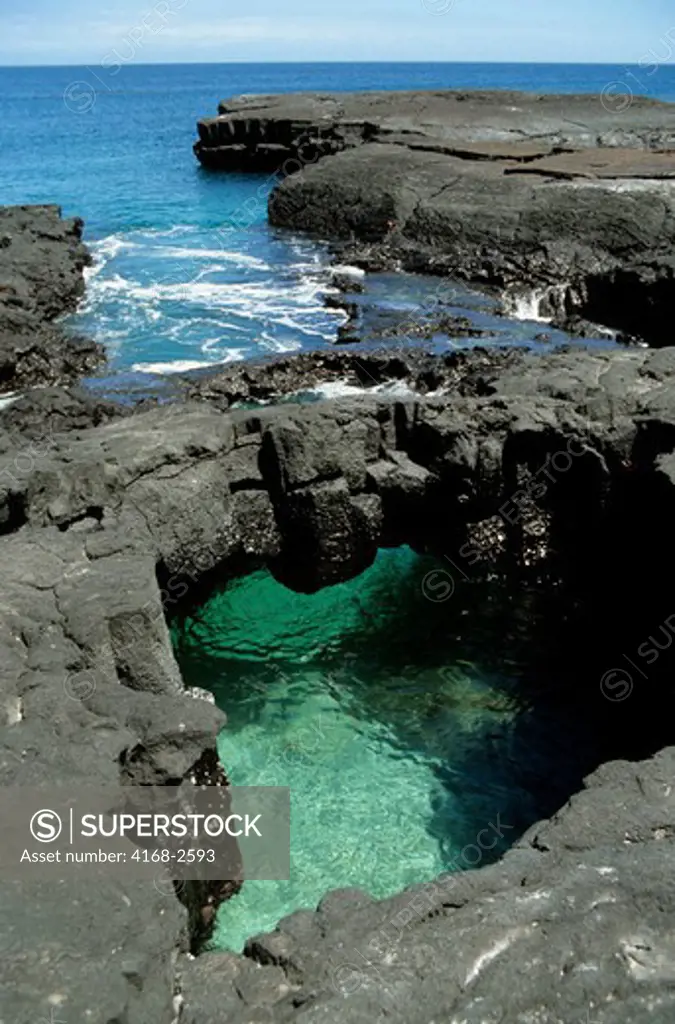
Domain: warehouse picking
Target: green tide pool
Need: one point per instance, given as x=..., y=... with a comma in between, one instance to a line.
x=403, y=726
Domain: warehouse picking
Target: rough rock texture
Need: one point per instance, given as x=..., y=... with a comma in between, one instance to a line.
x=512, y=190
x=38, y=414
x=413, y=371
x=573, y=925
x=482, y=126
x=111, y=528
x=41, y=277
x=558, y=469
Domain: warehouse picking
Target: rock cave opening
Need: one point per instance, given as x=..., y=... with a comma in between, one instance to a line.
x=422, y=723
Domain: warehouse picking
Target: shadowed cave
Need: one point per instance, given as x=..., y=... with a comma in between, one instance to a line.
x=406, y=712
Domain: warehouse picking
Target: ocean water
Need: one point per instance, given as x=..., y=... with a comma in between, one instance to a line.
x=403, y=726
x=187, y=271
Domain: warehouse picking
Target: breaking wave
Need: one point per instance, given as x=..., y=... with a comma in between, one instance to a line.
x=165, y=301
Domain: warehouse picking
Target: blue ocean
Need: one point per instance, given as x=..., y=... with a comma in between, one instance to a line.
x=181, y=279
x=402, y=725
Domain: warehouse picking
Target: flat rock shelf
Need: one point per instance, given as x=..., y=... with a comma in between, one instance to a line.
x=556, y=195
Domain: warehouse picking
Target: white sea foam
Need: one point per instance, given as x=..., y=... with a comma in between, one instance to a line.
x=113, y=334
x=232, y=355
x=205, y=298
x=251, y=295
x=526, y=305
x=8, y=399
x=104, y=250
x=176, y=229
x=272, y=344
x=297, y=307
x=176, y=331
x=227, y=355
x=241, y=259
x=343, y=389
x=108, y=248
x=173, y=366
x=346, y=270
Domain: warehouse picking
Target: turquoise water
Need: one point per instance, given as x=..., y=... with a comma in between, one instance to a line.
x=402, y=726
x=187, y=271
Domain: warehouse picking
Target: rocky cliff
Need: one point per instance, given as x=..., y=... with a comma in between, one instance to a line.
x=518, y=192
x=109, y=526
x=556, y=471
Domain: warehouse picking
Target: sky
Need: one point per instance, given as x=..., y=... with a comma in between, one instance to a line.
x=149, y=31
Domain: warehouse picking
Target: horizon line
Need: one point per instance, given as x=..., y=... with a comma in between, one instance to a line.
x=319, y=63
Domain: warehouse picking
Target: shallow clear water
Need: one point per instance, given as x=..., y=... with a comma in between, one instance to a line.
x=402, y=726
x=188, y=272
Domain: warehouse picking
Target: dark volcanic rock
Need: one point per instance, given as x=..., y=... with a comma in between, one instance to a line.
x=41, y=413
x=265, y=131
x=377, y=323
x=280, y=376
x=41, y=277
x=555, y=471
x=116, y=523
x=347, y=334
x=426, y=324
x=509, y=190
x=442, y=214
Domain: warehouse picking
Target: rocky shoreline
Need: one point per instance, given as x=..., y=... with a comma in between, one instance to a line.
x=41, y=262
x=555, y=470
x=551, y=196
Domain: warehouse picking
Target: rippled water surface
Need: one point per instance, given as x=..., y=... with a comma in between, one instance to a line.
x=184, y=297
x=187, y=271
x=403, y=725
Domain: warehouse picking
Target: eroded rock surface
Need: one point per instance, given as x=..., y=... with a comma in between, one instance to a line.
x=41, y=263
x=555, y=470
x=514, y=191
x=41, y=412
x=113, y=526
x=482, y=126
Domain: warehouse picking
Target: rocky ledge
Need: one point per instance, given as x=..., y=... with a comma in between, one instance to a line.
x=555, y=195
x=557, y=470
x=42, y=259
